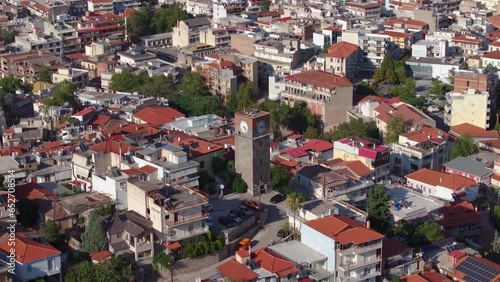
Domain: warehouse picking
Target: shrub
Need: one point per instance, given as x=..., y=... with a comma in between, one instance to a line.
x=239, y=185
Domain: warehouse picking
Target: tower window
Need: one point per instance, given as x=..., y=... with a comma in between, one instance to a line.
x=261, y=144
x=261, y=178
x=260, y=160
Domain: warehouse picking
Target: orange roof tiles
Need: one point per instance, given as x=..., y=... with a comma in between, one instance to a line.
x=237, y=271
x=274, y=262
x=113, y=146
x=321, y=79
x=100, y=256
x=436, y=178
x=157, y=116
x=494, y=20
x=341, y=50
x=427, y=133
x=197, y=146
x=466, y=38
x=473, y=131
x=429, y=276
x=395, y=33
x=32, y=191
x=131, y=129
x=100, y=120
x=457, y=214
x=410, y=114
x=27, y=249
x=40, y=7
x=148, y=169
x=358, y=168
x=495, y=143
x=344, y=230
x=50, y=146
x=392, y=247
x=492, y=55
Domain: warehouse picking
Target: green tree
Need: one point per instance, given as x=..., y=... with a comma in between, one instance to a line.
x=396, y=279
x=266, y=4
x=159, y=86
x=496, y=215
x=378, y=75
x=64, y=92
x=193, y=84
x=218, y=163
x=28, y=212
x=116, y=270
x=355, y=127
x=82, y=272
x=395, y=127
x=464, y=147
x=430, y=231
x=451, y=76
x=364, y=88
x=94, y=238
x=279, y=177
x=50, y=231
x=294, y=204
x=232, y=102
x=161, y=260
x=246, y=96
x=406, y=92
x=8, y=35
x=324, y=50
x=239, y=185
x=126, y=81
x=378, y=208
x=197, y=106
x=139, y=22
x=10, y=84
x=45, y=74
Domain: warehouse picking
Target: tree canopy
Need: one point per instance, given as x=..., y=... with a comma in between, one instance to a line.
x=355, y=127
x=407, y=93
x=10, y=84
x=378, y=209
x=147, y=21
x=279, y=179
x=45, y=74
x=395, y=127
x=418, y=235
x=438, y=89
x=94, y=237
x=239, y=185
x=116, y=270
x=193, y=84
x=64, y=92
x=8, y=35
x=392, y=71
x=28, y=212
x=50, y=231
x=464, y=147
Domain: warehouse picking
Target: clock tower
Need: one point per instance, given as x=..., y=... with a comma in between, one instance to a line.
x=252, y=141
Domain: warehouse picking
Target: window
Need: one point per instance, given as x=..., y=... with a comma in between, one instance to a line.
x=28, y=268
x=202, y=164
x=50, y=264
x=260, y=163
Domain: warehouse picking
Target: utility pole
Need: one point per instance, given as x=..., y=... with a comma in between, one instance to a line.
x=172, y=268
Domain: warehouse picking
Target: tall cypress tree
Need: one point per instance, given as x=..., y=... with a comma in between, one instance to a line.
x=94, y=238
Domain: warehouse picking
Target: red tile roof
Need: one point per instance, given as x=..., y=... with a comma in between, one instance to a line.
x=113, y=146
x=274, y=14
x=495, y=143
x=410, y=114
x=294, y=136
x=390, y=101
x=236, y=271
x=427, y=133
x=100, y=120
x=391, y=247
x=321, y=79
x=128, y=12
x=407, y=22
x=492, y=55
x=451, y=181
x=131, y=129
x=284, y=162
x=32, y=191
x=313, y=145
x=473, y=131
x=148, y=169
x=466, y=38
x=274, y=262
x=341, y=50
x=50, y=146
x=344, y=230
x=358, y=168
x=196, y=146
x=395, y=33
x=157, y=116
x=100, y=256
x=461, y=213
x=40, y=7
x=27, y=249
x=84, y=112
x=429, y=276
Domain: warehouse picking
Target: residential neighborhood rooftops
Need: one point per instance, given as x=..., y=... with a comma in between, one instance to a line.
x=321, y=79
x=469, y=166
x=473, y=131
x=26, y=249
x=436, y=178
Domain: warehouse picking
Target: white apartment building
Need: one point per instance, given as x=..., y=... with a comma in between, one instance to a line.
x=364, y=9
x=79, y=77
x=34, y=41
x=176, y=211
x=104, y=6
x=218, y=37
x=277, y=56
x=353, y=251
x=472, y=107
x=424, y=148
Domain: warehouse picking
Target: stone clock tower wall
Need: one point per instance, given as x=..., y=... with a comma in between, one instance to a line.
x=252, y=157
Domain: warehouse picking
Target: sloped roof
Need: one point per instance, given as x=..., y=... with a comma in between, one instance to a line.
x=341, y=50
x=461, y=213
x=473, y=131
x=157, y=115
x=237, y=271
x=131, y=222
x=31, y=191
x=273, y=262
x=113, y=146
x=448, y=180
x=469, y=166
x=27, y=249
x=321, y=79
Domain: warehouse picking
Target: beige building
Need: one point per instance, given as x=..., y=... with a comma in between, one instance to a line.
x=218, y=37
x=343, y=58
x=472, y=106
x=187, y=32
x=363, y=9
x=79, y=77
x=26, y=64
x=326, y=94
x=176, y=211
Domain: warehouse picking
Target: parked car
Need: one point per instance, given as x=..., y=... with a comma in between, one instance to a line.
x=251, y=205
x=207, y=207
x=244, y=243
x=282, y=233
x=248, y=211
x=278, y=198
x=228, y=222
x=235, y=217
x=239, y=213
x=209, y=222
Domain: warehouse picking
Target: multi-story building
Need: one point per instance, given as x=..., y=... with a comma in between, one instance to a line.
x=425, y=148
x=79, y=77
x=35, y=41
x=469, y=44
x=187, y=32
x=363, y=9
x=218, y=37
x=460, y=219
x=64, y=31
x=26, y=64
x=343, y=58
x=471, y=168
x=95, y=29
x=77, y=8
x=157, y=40
x=119, y=6
x=326, y=94
x=176, y=211
x=471, y=100
x=104, y=6
x=352, y=257
x=373, y=46
x=375, y=157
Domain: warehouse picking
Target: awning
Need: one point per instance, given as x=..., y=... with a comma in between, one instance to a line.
x=305, y=279
x=76, y=182
x=172, y=245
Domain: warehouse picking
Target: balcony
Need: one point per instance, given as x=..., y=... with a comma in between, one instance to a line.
x=185, y=220
x=359, y=277
x=357, y=187
x=361, y=249
x=353, y=265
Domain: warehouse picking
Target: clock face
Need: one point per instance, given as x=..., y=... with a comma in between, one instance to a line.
x=244, y=126
x=261, y=127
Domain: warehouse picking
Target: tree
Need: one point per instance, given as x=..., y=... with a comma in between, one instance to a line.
x=8, y=35
x=294, y=204
x=94, y=238
x=82, y=272
x=139, y=22
x=246, y=96
x=451, y=76
x=239, y=185
x=355, y=127
x=430, y=231
x=280, y=177
x=10, y=84
x=45, y=74
x=193, y=84
x=197, y=106
x=116, y=270
x=159, y=86
x=324, y=50
x=266, y=4
x=364, y=88
x=28, y=212
x=218, y=163
x=161, y=260
x=406, y=92
x=395, y=127
x=396, y=279
x=464, y=147
x=378, y=208
x=50, y=231
x=232, y=102
x=496, y=214
x=63, y=94
x=126, y=81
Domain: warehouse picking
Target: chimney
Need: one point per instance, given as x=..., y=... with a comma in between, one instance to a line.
x=368, y=224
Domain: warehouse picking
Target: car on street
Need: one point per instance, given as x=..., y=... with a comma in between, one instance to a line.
x=282, y=233
x=248, y=211
x=209, y=222
x=235, y=217
x=239, y=213
x=278, y=198
x=227, y=222
x=251, y=205
x=207, y=207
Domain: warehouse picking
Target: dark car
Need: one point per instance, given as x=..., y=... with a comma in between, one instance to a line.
x=282, y=233
x=278, y=198
x=251, y=205
x=239, y=213
x=246, y=210
x=228, y=222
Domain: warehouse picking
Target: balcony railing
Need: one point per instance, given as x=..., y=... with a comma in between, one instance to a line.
x=187, y=234
x=353, y=265
x=357, y=187
x=185, y=219
x=359, y=277
x=361, y=249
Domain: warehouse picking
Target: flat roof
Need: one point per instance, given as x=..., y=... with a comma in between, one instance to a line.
x=418, y=204
x=8, y=163
x=298, y=252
